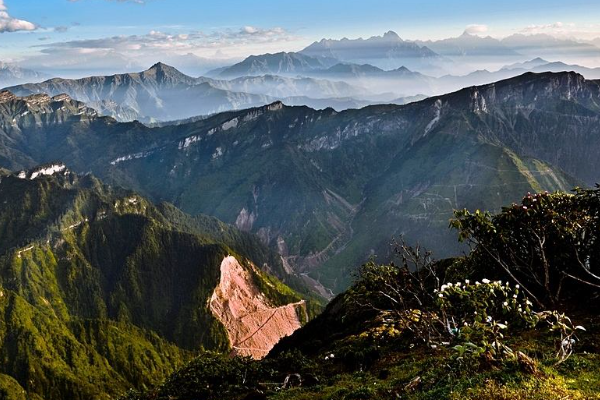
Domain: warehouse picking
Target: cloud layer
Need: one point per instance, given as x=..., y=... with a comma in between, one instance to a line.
x=565, y=30
x=10, y=24
x=136, y=51
x=476, y=29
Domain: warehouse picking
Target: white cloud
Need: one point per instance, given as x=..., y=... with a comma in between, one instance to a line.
x=476, y=29
x=557, y=27
x=10, y=24
x=581, y=32
x=132, y=51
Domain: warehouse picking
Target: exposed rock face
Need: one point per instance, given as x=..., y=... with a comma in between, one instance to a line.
x=245, y=220
x=253, y=325
x=46, y=170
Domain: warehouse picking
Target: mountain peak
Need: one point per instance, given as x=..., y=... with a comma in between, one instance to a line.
x=162, y=67
x=165, y=71
x=391, y=35
x=159, y=65
x=278, y=105
x=539, y=60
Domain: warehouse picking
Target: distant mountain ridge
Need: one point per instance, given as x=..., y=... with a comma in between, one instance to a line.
x=161, y=92
x=276, y=64
x=386, y=52
x=11, y=74
x=406, y=167
x=543, y=45
x=468, y=45
x=281, y=87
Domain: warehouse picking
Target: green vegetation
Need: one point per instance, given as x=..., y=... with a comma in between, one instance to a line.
x=328, y=189
x=421, y=329
x=101, y=292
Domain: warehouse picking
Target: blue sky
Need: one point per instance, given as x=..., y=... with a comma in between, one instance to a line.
x=58, y=31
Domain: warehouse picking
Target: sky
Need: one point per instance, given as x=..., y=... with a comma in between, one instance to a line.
x=119, y=35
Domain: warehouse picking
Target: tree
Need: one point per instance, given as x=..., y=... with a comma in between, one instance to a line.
x=404, y=291
x=548, y=244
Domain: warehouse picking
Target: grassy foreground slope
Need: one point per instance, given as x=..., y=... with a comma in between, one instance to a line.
x=452, y=329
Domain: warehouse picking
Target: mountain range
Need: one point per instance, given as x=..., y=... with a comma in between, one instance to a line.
x=401, y=81
x=162, y=93
x=543, y=45
x=386, y=52
x=328, y=189
x=279, y=64
x=159, y=93
x=102, y=291
x=11, y=74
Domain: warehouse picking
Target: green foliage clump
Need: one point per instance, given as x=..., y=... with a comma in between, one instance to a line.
x=102, y=292
x=483, y=316
x=548, y=244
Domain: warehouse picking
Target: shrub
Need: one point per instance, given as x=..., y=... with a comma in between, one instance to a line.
x=548, y=244
x=482, y=315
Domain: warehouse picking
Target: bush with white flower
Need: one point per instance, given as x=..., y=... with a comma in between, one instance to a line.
x=476, y=318
x=480, y=316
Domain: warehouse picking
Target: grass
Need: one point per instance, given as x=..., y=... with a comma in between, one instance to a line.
x=578, y=378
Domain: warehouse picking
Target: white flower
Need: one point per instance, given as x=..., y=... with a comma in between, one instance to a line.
x=458, y=284
x=477, y=282
x=443, y=288
x=331, y=355
x=440, y=295
x=449, y=284
x=505, y=304
x=489, y=318
x=486, y=281
x=467, y=281
x=514, y=296
x=517, y=286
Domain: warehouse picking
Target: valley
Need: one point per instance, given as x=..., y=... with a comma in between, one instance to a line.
x=405, y=167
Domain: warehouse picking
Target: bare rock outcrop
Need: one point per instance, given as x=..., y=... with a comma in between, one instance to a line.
x=253, y=324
